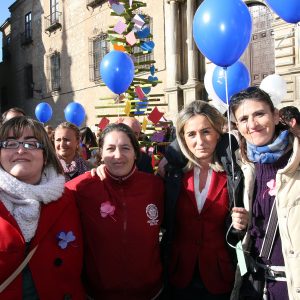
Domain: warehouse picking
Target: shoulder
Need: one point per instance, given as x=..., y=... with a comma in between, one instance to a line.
x=82, y=181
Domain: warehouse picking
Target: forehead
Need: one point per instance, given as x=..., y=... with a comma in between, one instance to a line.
x=65, y=132
x=116, y=137
x=24, y=132
x=197, y=122
x=250, y=106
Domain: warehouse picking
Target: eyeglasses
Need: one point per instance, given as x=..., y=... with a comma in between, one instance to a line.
x=16, y=144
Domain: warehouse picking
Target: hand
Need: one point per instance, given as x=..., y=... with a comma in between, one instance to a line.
x=100, y=171
x=161, y=167
x=240, y=218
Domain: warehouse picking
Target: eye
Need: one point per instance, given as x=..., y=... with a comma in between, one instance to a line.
x=191, y=134
x=243, y=120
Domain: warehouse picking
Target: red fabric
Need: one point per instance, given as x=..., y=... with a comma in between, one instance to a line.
x=201, y=237
x=52, y=281
x=122, y=256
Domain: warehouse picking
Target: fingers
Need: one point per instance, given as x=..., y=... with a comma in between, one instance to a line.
x=240, y=218
x=93, y=172
x=101, y=172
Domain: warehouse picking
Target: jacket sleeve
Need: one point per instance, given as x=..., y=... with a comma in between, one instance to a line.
x=174, y=155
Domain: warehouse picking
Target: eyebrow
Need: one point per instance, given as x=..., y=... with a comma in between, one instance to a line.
x=25, y=138
x=206, y=128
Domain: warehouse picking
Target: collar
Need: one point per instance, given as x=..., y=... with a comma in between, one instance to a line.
x=121, y=178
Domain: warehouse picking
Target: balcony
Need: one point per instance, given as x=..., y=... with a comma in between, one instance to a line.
x=26, y=38
x=53, y=22
x=94, y=3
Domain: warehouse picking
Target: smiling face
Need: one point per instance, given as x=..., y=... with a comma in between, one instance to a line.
x=118, y=153
x=256, y=122
x=201, y=138
x=66, y=144
x=26, y=165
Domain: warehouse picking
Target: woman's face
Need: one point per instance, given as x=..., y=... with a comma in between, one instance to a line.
x=24, y=164
x=201, y=138
x=118, y=153
x=66, y=144
x=256, y=122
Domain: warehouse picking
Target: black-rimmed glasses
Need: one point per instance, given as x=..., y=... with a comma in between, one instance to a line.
x=28, y=145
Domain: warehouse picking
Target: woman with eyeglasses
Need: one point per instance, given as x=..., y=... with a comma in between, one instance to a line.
x=67, y=144
x=270, y=159
x=40, y=234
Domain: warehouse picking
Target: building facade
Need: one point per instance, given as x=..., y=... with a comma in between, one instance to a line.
x=52, y=50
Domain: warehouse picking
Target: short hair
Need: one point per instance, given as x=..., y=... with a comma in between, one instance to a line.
x=13, y=109
x=126, y=130
x=195, y=108
x=289, y=112
x=69, y=125
x=18, y=124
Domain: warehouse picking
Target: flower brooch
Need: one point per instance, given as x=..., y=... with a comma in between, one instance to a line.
x=64, y=238
x=107, y=209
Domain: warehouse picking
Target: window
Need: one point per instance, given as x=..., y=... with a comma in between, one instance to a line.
x=99, y=47
x=55, y=71
x=140, y=56
x=28, y=81
x=54, y=12
x=28, y=26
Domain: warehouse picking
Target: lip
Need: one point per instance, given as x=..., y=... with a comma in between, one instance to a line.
x=21, y=160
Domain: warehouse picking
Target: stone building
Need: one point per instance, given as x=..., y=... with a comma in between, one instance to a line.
x=52, y=50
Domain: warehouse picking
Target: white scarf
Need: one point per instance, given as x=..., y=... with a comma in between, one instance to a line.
x=24, y=200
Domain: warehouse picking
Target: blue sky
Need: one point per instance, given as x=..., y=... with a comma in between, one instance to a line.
x=4, y=14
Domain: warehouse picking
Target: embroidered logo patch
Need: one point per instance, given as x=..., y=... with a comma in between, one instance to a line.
x=152, y=214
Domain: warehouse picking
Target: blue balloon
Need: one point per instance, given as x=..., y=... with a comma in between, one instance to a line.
x=288, y=10
x=74, y=113
x=238, y=79
x=43, y=112
x=222, y=31
x=117, y=71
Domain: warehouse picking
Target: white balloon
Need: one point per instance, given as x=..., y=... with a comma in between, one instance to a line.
x=208, y=83
x=275, y=86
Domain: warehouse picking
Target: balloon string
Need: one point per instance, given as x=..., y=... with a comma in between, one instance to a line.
x=229, y=131
x=287, y=36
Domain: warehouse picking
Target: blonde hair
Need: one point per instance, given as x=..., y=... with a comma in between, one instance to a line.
x=195, y=108
x=69, y=125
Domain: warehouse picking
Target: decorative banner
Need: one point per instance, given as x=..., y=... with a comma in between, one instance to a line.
x=103, y=123
x=144, y=124
x=139, y=92
x=138, y=22
x=119, y=48
x=147, y=46
x=152, y=70
x=130, y=38
x=144, y=33
x=120, y=27
x=158, y=136
x=141, y=108
x=155, y=115
x=118, y=8
x=127, y=108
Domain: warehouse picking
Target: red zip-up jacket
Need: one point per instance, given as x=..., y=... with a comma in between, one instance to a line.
x=121, y=222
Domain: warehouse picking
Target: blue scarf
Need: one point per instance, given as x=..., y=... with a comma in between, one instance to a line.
x=270, y=153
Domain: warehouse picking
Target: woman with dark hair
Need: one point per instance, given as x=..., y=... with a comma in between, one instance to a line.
x=121, y=217
x=88, y=141
x=270, y=159
x=41, y=248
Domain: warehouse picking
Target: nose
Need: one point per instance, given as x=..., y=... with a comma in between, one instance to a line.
x=199, y=139
x=117, y=153
x=21, y=149
x=251, y=123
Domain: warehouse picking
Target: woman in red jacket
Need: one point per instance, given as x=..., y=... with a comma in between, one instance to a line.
x=121, y=218
x=38, y=218
x=197, y=208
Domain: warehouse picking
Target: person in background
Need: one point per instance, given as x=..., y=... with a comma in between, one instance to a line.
x=11, y=113
x=290, y=116
x=198, y=210
x=38, y=218
x=144, y=163
x=270, y=159
x=89, y=145
x=50, y=131
x=121, y=217
x=66, y=140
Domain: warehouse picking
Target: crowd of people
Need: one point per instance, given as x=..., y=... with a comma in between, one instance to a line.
x=82, y=218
